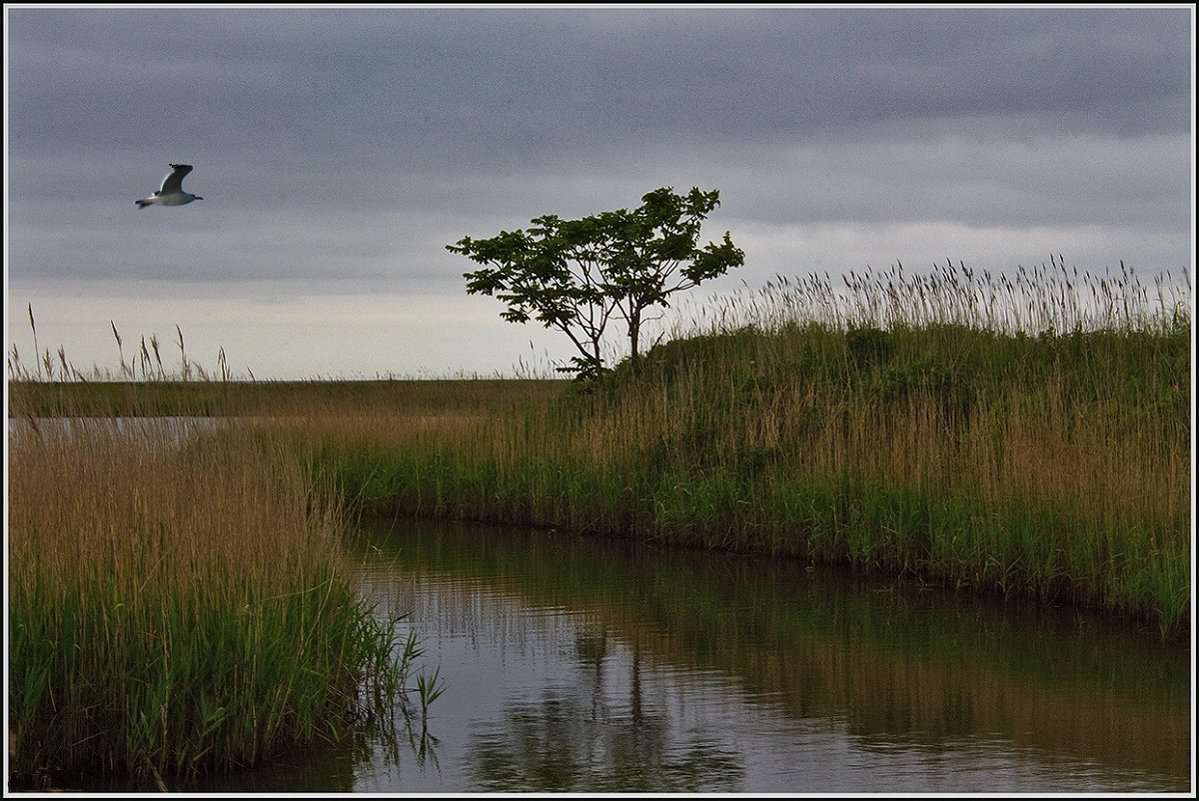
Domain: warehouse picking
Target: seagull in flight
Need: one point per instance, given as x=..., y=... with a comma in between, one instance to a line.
x=171, y=193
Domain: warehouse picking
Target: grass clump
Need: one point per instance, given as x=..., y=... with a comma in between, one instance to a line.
x=178, y=603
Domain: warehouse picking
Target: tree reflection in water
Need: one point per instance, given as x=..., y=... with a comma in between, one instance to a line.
x=566, y=742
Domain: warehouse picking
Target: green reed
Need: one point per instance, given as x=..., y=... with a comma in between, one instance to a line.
x=1025, y=435
x=177, y=603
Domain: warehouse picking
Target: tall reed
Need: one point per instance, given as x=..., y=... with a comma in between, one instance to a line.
x=1026, y=435
x=177, y=603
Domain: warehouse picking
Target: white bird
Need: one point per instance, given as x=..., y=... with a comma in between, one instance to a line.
x=171, y=193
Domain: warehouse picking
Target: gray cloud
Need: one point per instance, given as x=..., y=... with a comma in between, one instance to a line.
x=344, y=148
x=494, y=84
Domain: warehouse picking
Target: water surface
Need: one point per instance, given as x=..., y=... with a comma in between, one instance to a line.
x=580, y=665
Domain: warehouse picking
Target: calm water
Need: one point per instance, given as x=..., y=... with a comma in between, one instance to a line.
x=572, y=664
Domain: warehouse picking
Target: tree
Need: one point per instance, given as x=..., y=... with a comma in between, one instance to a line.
x=578, y=275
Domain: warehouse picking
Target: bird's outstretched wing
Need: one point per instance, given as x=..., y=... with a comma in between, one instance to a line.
x=174, y=182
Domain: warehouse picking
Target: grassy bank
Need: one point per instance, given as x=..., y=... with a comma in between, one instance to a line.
x=1025, y=435
x=177, y=606
x=919, y=427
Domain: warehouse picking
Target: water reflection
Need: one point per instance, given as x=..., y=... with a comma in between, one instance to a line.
x=577, y=665
x=559, y=743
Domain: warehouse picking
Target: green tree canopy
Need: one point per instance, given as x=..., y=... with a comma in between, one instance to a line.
x=578, y=275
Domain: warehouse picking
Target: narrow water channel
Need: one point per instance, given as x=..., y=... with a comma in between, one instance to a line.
x=572, y=664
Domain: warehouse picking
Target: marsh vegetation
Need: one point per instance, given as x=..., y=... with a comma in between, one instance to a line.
x=1029, y=437
x=179, y=606
x=1023, y=435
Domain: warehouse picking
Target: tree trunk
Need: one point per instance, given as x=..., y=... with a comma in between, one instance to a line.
x=634, y=339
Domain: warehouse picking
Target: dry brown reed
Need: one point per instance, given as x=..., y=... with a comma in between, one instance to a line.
x=178, y=601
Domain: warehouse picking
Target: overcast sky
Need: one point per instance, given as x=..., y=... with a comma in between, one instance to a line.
x=339, y=150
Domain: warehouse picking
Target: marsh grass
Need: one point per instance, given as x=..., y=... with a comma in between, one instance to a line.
x=1027, y=436
x=177, y=606
x=30, y=396
x=144, y=365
